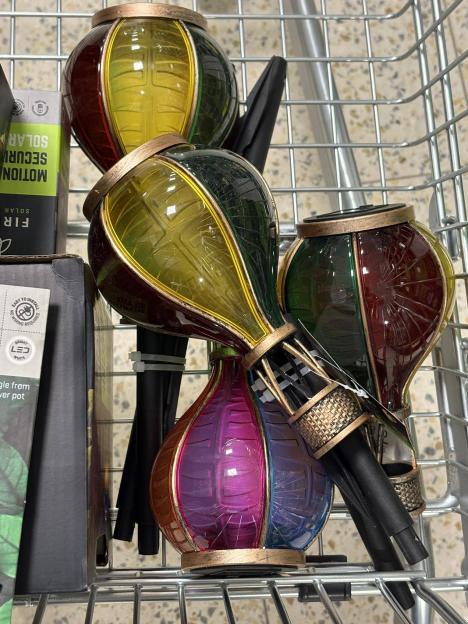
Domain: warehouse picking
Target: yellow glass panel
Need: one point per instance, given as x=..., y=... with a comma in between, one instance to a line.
x=149, y=80
x=170, y=233
x=447, y=268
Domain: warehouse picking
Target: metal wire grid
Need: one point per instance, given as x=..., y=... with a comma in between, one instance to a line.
x=442, y=184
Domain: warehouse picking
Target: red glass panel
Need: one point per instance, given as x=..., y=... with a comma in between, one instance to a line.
x=403, y=294
x=84, y=100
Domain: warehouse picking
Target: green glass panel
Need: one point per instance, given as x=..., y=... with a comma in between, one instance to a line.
x=246, y=202
x=321, y=291
x=217, y=92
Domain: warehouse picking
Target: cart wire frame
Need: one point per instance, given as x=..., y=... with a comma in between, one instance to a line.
x=449, y=220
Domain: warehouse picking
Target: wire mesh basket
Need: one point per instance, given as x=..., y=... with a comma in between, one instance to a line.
x=375, y=109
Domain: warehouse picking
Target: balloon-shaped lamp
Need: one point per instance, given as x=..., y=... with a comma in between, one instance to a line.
x=144, y=70
x=233, y=483
x=376, y=289
x=179, y=239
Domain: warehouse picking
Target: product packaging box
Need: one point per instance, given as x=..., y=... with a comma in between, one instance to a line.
x=6, y=109
x=66, y=521
x=23, y=320
x=34, y=178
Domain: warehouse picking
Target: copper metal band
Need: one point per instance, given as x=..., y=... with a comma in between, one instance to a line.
x=283, y=272
x=364, y=319
x=124, y=166
x=313, y=401
x=409, y=490
x=355, y=223
x=267, y=343
x=242, y=556
x=166, y=11
x=330, y=420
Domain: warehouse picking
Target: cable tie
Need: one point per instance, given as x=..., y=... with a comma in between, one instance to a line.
x=138, y=356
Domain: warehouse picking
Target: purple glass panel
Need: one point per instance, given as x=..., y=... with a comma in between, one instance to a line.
x=221, y=468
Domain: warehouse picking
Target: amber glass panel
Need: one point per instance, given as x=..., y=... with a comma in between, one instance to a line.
x=243, y=196
x=168, y=231
x=149, y=80
x=320, y=290
x=446, y=265
x=403, y=291
x=84, y=100
x=162, y=494
x=217, y=92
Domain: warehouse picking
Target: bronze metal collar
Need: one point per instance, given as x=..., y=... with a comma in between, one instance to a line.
x=124, y=166
x=132, y=9
x=268, y=343
x=242, y=556
x=355, y=222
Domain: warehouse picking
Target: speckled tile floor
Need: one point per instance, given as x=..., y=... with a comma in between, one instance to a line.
x=402, y=121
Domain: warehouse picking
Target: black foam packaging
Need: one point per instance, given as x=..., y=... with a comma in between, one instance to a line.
x=67, y=521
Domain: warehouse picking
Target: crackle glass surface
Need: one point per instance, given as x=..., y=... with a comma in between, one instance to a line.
x=375, y=299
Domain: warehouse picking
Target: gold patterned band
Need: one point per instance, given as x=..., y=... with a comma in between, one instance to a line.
x=330, y=420
x=242, y=556
x=166, y=11
x=355, y=222
x=313, y=401
x=124, y=166
x=408, y=486
x=268, y=343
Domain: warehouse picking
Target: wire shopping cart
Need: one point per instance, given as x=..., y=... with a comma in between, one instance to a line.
x=375, y=109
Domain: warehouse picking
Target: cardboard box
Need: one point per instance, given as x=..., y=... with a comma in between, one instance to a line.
x=34, y=178
x=23, y=320
x=67, y=505
x=6, y=108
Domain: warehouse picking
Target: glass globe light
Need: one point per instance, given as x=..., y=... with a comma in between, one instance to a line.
x=233, y=482
x=376, y=288
x=144, y=70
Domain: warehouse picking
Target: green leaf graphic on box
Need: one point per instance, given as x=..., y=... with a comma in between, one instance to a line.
x=13, y=481
x=5, y=612
x=10, y=535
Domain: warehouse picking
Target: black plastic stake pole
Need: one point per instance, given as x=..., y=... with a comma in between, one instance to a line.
x=381, y=496
x=126, y=516
x=149, y=434
x=378, y=545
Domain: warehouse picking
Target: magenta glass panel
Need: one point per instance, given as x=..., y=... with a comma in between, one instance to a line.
x=221, y=469
x=403, y=292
